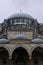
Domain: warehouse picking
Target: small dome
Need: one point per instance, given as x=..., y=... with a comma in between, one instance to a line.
x=19, y=36
x=3, y=40
x=20, y=15
x=37, y=40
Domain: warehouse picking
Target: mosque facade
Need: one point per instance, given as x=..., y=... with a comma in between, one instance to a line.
x=21, y=40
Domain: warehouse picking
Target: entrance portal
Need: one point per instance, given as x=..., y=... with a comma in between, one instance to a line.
x=37, y=56
x=20, y=57
x=4, y=56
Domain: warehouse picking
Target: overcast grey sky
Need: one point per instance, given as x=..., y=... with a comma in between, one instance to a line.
x=32, y=7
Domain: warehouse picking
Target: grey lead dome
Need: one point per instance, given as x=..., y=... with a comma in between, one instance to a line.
x=37, y=40
x=20, y=15
x=4, y=41
x=19, y=36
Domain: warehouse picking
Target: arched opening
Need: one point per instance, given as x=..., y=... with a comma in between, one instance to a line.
x=4, y=56
x=37, y=56
x=20, y=57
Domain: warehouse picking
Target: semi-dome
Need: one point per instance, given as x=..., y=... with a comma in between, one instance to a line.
x=4, y=41
x=20, y=15
x=37, y=40
x=19, y=36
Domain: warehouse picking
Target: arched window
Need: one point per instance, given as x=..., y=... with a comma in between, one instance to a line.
x=30, y=22
x=11, y=22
